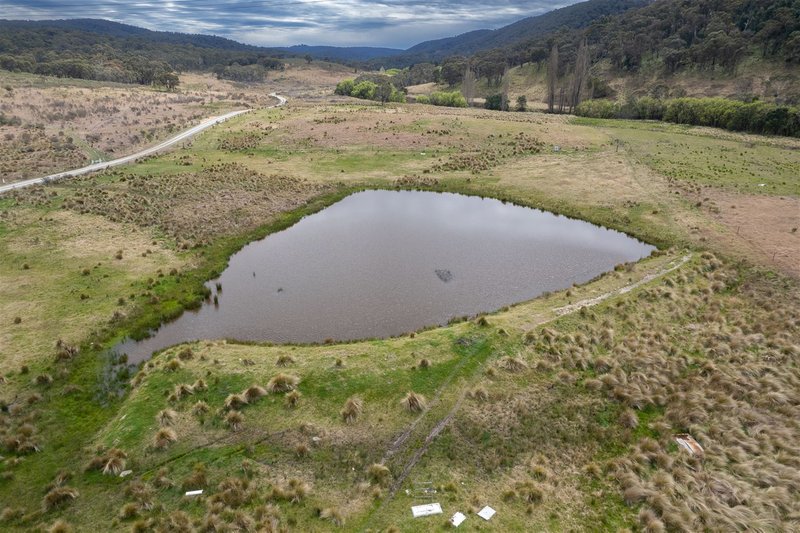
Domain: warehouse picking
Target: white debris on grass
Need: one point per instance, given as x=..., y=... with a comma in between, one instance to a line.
x=457, y=519
x=688, y=443
x=426, y=510
x=125, y=473
x=194, y=492
x=486, y=513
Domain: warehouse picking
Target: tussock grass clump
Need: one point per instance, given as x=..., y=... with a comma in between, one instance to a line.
x=332, y=515
x=301, y=450
x=114, y=462
x=60, y=526
x=254, y=392
x=166, y=417
x=352, y=409
x=629, y=419
x=479, y=394
x=511, y=364
x=282, y=383
x=173, y=365
x=186, y=354
x=129, y=511
x=284, y=360
x=164, y=437
x=59, y=496
x=234, y=420
x=200, y=408
x=64, y=351
x=413, y=402
x=424, y=363
x=10, y=513
x=379, y=474
x=292, y=398
x=183, y=390
x=294, y=491
x=233, y=492
x=43, y=379
x=198, y=479
x=200, y=385
x=235, y=401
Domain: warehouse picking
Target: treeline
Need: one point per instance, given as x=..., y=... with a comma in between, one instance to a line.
x=753, y=117
x=144, y=58
x=248, y=72
x=380, y=89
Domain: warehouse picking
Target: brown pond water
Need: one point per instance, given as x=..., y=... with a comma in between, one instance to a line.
x=383, y=263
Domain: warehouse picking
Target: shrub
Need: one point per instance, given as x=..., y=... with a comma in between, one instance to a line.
x=344, y=87
x=423, y=99
x=496, y=103
x=597, y=109
x=448, y=99
x=364, y=90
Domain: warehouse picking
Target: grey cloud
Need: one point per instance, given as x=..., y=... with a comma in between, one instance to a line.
x=393, y=23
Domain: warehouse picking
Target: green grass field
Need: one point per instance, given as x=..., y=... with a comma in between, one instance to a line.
x=559, y=413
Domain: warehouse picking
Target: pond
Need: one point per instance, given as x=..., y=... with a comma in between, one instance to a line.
x=383, y=263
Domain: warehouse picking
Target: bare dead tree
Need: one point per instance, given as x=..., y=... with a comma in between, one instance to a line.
x=469, y=85
x=552, y=78
x=580, y=75
x=504, y=92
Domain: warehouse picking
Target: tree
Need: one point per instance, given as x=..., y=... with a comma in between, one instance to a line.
x=468, y=86
x=522, y=103
x=552, y=78
x=169, y=80
x=383, y=91
x=453, y=70
x=308, y=58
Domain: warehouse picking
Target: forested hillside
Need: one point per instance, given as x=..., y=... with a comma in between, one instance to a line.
x=577, y=15
x=108, y=51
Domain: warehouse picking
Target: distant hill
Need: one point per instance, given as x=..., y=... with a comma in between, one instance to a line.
x=575, y=16
x=125, y=31
x=110, y=51
x=342, y=53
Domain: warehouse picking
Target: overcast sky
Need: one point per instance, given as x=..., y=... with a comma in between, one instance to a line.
x=392, y=23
